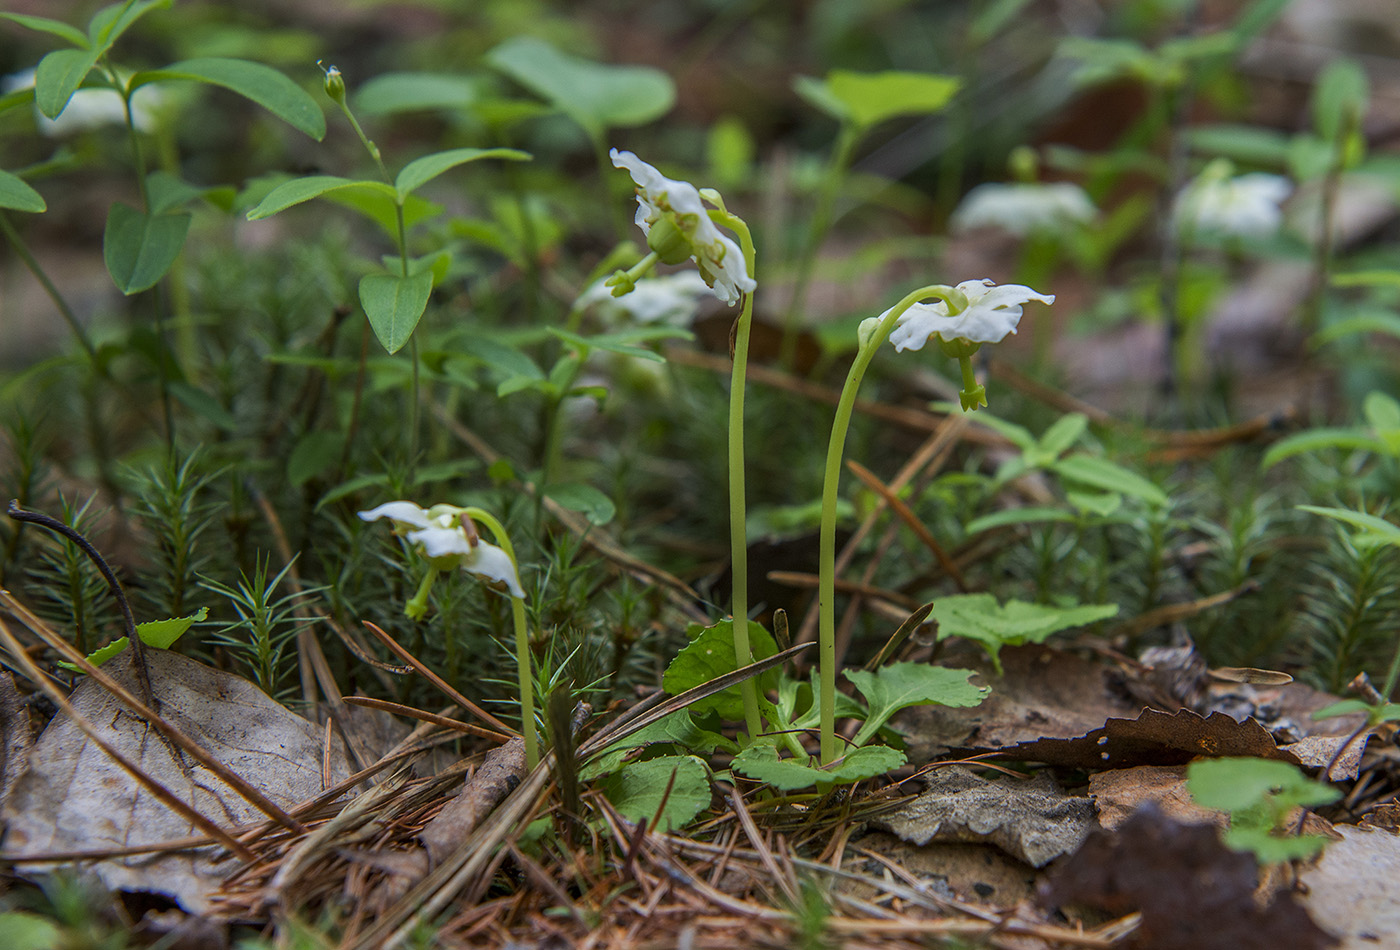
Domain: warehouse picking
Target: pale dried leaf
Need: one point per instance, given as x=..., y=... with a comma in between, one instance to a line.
x=1033, y=820
x=1351, y=893
x=75, y=798
x=1118, y=793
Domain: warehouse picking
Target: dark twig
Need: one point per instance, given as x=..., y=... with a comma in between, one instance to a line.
x=143, y=677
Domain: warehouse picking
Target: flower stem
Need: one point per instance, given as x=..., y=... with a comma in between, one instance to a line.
x=522, y=640
x=738, y=514
x=826, y=589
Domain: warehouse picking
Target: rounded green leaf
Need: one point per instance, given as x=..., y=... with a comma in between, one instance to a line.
x=58, y=76
x=870, y=98
x=314, y=454
x=597, y=507
x=710, y=654
x=594, y=95
x=423, y=170
x=15, y=193
x=678, y=785
x=414, y=92
x=394, y=305
x=140, y=248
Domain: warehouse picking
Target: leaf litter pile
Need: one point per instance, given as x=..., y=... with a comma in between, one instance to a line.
x=1055, y=813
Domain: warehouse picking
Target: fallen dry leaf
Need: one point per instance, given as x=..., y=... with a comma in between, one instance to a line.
x=1118, y=793
x=74, y=797
x=978, y=874
x=1192, y=891
x=1042, y=692
x=1154, y=738
x=1032, y=820
x=1351, y=890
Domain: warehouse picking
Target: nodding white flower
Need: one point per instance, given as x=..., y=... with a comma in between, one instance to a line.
x=1024, y=208
x=991, y=314
x=1236, y=206
x=672, y=299
x=90, y=108
x=441, y=533
x=687, y=230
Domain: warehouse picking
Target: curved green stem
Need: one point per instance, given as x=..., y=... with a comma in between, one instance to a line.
x=522, y=640
x=738, y=514
x=826, y=590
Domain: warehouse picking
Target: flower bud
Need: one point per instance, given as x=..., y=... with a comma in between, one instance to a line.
x=670, y=243
x=335, y=85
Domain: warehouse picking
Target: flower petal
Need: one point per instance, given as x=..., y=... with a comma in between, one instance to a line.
x=404, y=512
x=993, y=312
x=493, y=564
x=440, y=542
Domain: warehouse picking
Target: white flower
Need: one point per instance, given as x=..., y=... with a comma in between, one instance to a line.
x=90, y=108
x=1242, y=206
x=991, y=314
x=720, y=261
x=672, y=299
x=1025, y=208
x=440, y=533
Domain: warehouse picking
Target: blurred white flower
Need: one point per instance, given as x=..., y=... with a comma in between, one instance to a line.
x=672, y=299
x=1236, y=206
x=1024, y=208
x=991, y=314
x=90, y=108
x=442, y=536
x=678, y=204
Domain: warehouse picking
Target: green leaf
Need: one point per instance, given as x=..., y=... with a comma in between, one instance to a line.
x=761, y=762
x=597, y=507
x=109, y=23
x=420, y=171
x=58, y=76
x=1101, y=473
x=394, y=305
x=1103, y=504
x=314, y=453
x=298, y=190
x=203, y=404
x=1017, y=517
x=1065, y=432
x=623, y=342
x=682, y=782
x=709, y=654
x=414, y=92
x=596, y=96
x=24, y=931
x=1236, y=784
x=1018, y=435
x=1374, y=530
x=1339, y=98
x=1270, y=847
x=160, y=634
x=1381, y=410
x=1386, y=712
x=1315, y=440
x=1245, y=144
x=1375, y=321
x=897, y=686
x=15, y=193
x=1367, y=278
x=979, y=617
x=45, y=25
x=871, y=98
x=262, y=84
x=139, y=248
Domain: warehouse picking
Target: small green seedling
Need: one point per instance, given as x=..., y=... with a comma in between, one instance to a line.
x=161, y=634
x=979, y=617
x=1260, y=795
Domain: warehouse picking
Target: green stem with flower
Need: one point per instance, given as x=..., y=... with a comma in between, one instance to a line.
x=826, y=590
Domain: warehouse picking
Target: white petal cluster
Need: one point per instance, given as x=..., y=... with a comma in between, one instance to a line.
x=672, y=299
x=991, y=314
x=1249, y=206
x=90, y=108
x=1024, y=208
x=720, y=261
x=438, y=531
